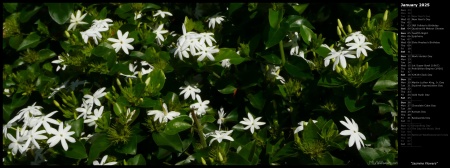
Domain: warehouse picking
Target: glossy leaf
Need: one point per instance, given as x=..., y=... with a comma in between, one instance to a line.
x=30, y=41
x=76, y=150
x=300, y=8
x=275, y=35
x=257, y=100
x=388, y=81
x=275, y=17
x=328, y=159
x=236, y=159
x=178, y=124
x=169, y=142
x=227, y=90
x=272, y=59
x=137, y=160
x=100, y=142
x=60, y=12
x=77, y=126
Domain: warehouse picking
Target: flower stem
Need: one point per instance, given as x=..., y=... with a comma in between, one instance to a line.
x=199, y=129
x=283, y=59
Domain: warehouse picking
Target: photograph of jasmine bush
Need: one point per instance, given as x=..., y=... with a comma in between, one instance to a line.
x=199, y=84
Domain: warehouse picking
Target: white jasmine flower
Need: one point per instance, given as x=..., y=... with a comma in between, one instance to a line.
x=360, y=45
x=76, y=20
x=61, y=135
x=146, y=67
x=189, y=89
x=95, y=98
x=302, y=124
x=16, y=143
x=221, y=118
x=122, y=42
x=129, y=115
x=251, y=123
x=162, y=13
x=353, y=36
x=60, y=66
x=207, y=52
x=85, y=109
x=137, y=15
x=163, y=116
x=159, y=33
x=201, y=106
x=95, y=34
x=44, y=120
x=355, y=135
x=225, y=63
x=30, y=111
x=206, y=37
x=102, y=162
x=101, y=25
x=92, y=118
x=32, y=136
x=220, y=135
x=215, y=19
x=339, y=58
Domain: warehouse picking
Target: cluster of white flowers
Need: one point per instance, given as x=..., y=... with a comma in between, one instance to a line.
x=88, y=105
x=359, y=44
x=196, y=44
x=31, y=132
x=295, y=48
x=95, y=29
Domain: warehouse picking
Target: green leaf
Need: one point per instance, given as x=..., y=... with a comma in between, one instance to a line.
x=228, y=53
x=77, y=126
x=45, y=54
x=352, y=104
x=388, y=81
x=100, y=142
x=322, y=51
x=330, y=81
x=276, y=35
x=15, y=41
x=30, y=41
x=76, y=151
x=123, y=11
x=228, y=89
x=328, y=159
x=272, y=59
x=26, y=15
x=257, y=100
x=157, y=80
x=369, y=154
x=288, y=150
x=386, y=38
x=208, y=119
x=310, y=132
x=296, y=22
x=60, y=12
x=250, y=152
x=178, y=124
x=169, y=142
x=236, y=159
x=298, y=68
x=306, y=34
x=149, y=6
x=383, y=142
x=233, y=7
x=300, y=8
x=137, y=160
x=275, y=17
x=232, y=116
x=10, y=7
x=378, y=65
x=102, y=14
